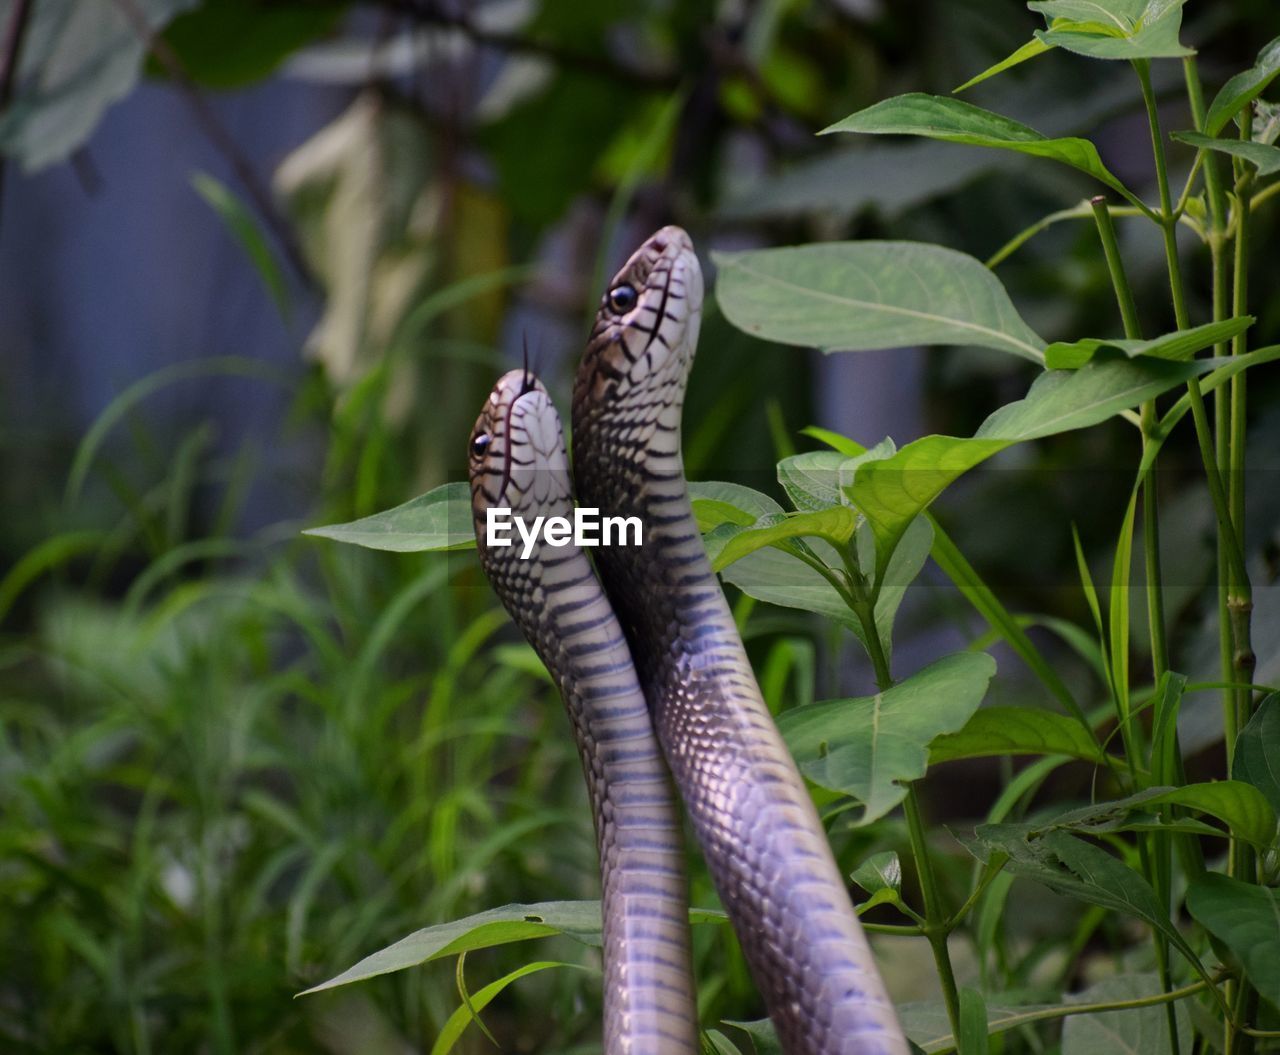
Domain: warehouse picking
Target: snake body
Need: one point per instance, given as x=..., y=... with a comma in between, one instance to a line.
x=754, y=820
x=517, y=461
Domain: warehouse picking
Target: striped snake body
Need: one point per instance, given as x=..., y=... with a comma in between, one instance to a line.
x=754, y=820
x=517, y=461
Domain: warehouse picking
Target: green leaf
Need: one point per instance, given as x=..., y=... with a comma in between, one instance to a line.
x=232, y=43
x=1264, y=156
x=835, y=525
x=1136, y=1031
x=438, y=520
x=1246, y=919
x=498, y=926
x=1114, y=29
x=1257, y=753
x=1029, y=50
x=870, y=746
x=995, y=731
x=817, y=479
x=973, y=1023
x=242, y=224
x=1242, y=807
x=1082, y=871
x=954, y=121
x=77, y=59
x=880, y=875
x=891, y=492
x=462, y=1016
x=1239, y=805
x=1243, y=88
x=1182, y=344
x=858, y=296
x=750, y=504
x=880, y=871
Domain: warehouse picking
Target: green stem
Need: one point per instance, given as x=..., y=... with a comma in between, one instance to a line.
x=937, y=925
x=1150, y=510
x=935, y=916
x=1240, y=593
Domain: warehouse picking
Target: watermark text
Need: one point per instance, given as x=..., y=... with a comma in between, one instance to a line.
x=586, y=528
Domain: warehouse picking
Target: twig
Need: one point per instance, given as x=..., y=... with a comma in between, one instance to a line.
x=13, y=34
x=222, y=140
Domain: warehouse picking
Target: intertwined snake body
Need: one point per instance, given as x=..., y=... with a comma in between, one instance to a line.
x=518, y=462
x=753, y=818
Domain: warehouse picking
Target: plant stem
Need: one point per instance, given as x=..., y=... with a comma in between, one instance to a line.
x=936, y=922
x=1240, y=594
x=937, y=925
x=1150, y=510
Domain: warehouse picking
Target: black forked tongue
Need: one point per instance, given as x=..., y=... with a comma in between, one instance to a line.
x=527, y=382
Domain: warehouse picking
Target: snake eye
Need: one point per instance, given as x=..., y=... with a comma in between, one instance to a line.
x=480, y=444
x=622, y=298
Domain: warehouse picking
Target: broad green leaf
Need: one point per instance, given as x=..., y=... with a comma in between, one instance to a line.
x=891, y=492
x=1245, y=918
x=498, y=926
x=1114, y=29
x=242, y=225
x=1264, y=156
x=1120, y=15
x=1082, y=871
x=870, y=746
x=76, y=60
x=1257, y=753
x=1182, y=344
x=835, y=525
x=462, y=1017
x=1243, y=88
x=438, y=520
x=857, y=296
x=710, y=513
x=938, y=117
x=1136, y=1031
x=1242, y=807
x=1029, y=50
x=750, y=503
x=817, y=479
x=1016, y=731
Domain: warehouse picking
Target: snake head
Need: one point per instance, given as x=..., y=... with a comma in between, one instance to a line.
x=646, y=328
x=516, y=453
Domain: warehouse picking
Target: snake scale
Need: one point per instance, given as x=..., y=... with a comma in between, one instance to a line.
x=751, y=814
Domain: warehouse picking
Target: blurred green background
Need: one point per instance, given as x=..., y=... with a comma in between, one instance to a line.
x=259, y=264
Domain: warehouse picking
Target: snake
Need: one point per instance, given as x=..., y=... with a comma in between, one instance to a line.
x=752, y=816
x=653, y=636
x=517, y=462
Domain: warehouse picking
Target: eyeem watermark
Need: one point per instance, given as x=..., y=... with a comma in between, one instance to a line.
x=586, y=528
